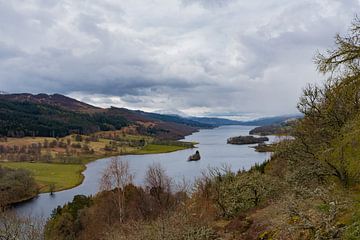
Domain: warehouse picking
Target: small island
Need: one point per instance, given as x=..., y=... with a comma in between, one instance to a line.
x=195, y=157
x=263, y=147
x=240, y=140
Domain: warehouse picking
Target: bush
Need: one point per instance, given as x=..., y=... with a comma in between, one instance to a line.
x=16, y=185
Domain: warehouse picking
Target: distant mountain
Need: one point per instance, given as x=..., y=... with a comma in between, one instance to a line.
x=270, y=120
x=215, y=121
x=57, y=100
x=256, y=122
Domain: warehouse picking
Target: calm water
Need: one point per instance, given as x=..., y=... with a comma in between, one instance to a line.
x=213, y=150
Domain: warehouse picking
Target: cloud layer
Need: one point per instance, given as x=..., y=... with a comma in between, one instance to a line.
x=200, y=57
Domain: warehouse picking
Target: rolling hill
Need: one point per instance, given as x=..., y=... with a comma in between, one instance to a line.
x=57, y=115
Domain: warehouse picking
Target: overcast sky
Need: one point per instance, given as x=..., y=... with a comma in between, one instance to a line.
x=197, y=57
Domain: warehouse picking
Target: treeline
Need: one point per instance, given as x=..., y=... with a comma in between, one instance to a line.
x=19, y=119
x=67, y=152
x=125, y=211
x=21, y=115
x=16, y=185
x=162, y=208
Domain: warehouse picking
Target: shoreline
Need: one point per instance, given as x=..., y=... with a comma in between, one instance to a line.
x=45, y=203
x=88, y=161
x=104, y=157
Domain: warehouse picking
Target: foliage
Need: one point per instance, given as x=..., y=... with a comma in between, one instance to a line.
x=19, y=119
x=64, y=223
x=155, y=148
x=177, y=226
x=117, y=176
x=329, y=109
x=16, y=185
x=236, y=193
x=122, y=204
x=63, y=176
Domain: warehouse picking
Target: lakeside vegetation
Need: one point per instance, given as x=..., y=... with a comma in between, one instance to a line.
x=156, y=148
x=57, y=163
x=51, y=176
x=16, y=185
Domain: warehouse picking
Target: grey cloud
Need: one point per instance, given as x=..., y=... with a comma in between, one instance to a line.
x=7, y=52
x=209, y=3
x=199, y=57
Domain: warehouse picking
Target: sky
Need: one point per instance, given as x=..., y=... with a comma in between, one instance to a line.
x=232, y=58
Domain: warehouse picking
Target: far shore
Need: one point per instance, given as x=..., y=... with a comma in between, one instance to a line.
x=76, y=177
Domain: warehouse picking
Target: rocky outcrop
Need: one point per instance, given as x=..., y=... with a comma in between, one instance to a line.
x=240, y=140
x=195, y=157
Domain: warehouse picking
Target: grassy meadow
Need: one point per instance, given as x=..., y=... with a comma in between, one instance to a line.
x=61, y=165
x=63, y=176
x=156, y=148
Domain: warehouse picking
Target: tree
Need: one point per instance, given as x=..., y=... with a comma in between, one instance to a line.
x=115, y=178
x=16, y=185
x=159, y=184
x=345, y=58
x=52, y=188
x=13, y=227
x=78, y=138
x=160, y=187
x=328, y=109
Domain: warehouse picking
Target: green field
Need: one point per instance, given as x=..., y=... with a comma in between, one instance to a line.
x=64, y=176
x=155, y=148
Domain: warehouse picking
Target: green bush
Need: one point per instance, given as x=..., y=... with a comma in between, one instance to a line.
x=16, y=185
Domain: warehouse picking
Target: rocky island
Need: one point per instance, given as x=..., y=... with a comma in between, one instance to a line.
x=240, y=140
x=195, y=157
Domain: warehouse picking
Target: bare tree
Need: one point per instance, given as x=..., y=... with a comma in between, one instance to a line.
x=115, y=178
x=13, y=227
x=160, y=187
x=159, y=184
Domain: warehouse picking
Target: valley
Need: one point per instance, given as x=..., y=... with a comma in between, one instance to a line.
x=179, y=120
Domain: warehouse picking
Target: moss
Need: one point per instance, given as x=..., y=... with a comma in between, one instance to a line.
x=267, y=235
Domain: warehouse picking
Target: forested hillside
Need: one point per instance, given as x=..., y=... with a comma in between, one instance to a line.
x=309, y=189
x=19, y=119
x=57, y=116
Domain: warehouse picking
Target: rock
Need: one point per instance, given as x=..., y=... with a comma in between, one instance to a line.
x=195, y=157
x=246, y=140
